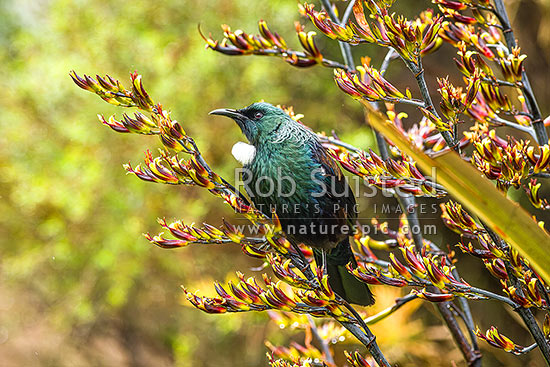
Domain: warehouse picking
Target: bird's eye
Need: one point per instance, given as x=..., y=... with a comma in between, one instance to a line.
x=258, y=115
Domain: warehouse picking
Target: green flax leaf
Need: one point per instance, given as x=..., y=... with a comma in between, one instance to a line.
x=509, y=220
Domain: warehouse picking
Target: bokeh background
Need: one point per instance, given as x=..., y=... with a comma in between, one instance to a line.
x=79, y=285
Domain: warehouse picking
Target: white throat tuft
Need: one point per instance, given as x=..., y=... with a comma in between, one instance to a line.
x=243, y=152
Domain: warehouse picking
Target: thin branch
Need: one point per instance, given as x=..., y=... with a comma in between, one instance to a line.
x=526, y=349
x=300, y=54
x=339, y=143
x=467, y=315
x=300, y=262
x=527, y=129
x=419, y=282
x=496, y=297
x=468, y=322
x=382, y=146
x=418, y=72
x=412, y=102
x=472, y=356
x=390, y=56
x=344, y=47
x=400, y=302
x=368, y=338
x=351, y=148
x=202, y=162
x=499, y=82
x=525, y=313
x=322, y=342
x=529, y=319
x=413, y=218
x=347, y=13
x=538, y=123
x=380, y=141
x=471, y=353
x=369, y=342
x=363, y=334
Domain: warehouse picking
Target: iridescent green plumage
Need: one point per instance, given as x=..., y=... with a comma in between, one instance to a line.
x=289, y=171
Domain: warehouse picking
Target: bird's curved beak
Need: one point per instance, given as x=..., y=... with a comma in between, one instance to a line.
x=228, y=112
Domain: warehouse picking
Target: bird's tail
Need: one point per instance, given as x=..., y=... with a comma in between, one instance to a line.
x=340, y=279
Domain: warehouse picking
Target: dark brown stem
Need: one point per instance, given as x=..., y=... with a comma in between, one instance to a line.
x=322, y=342
x=472, y=355
x=363, y=334
x=529, y=319
x=525, y=313
x=467, y=317
x=300, y=54
x=467, y=320
x=367, y=338
x=532, y=105
x=419, y=282
x=369, y=342
x=418, y=71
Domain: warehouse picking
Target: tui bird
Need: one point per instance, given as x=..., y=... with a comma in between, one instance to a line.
x=286, y=169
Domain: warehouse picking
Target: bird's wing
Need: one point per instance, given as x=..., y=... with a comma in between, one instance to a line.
x=322, y=156
x=336, y=181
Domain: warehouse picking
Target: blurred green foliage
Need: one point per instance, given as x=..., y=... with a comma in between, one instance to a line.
x=74, y=263
x=79, y=284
